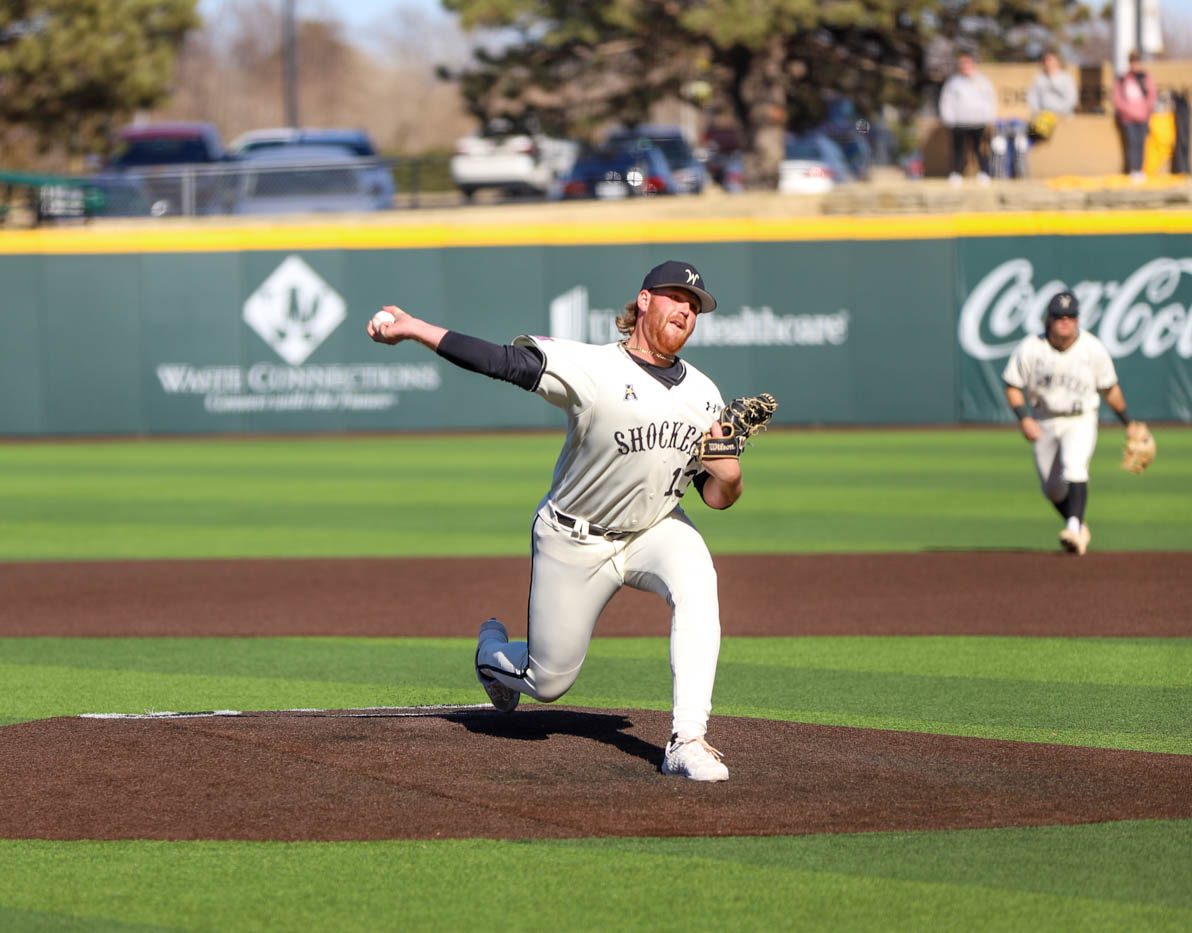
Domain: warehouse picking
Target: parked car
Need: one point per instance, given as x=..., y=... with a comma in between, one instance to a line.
x=689, y=172
x=307, y=179
x=912, y=164
x=620, y=173
x=724, y=158
x=177, y=143
x=183, y=165
x=354, y=141
x=515, y=163
x=812, y=164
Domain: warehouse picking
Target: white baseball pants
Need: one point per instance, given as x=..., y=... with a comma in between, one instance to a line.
x=574, y=575
x=1063, y=452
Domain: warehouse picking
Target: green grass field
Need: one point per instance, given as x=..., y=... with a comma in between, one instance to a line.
x=1108, y=693
x=806, y=491
x=824, y=490
x=1071, y=878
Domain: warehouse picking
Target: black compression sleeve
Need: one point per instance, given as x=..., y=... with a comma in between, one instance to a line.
x=520, y=365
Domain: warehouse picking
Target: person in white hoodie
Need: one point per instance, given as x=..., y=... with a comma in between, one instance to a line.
x=967, y=108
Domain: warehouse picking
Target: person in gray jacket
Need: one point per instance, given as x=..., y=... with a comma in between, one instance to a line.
x=1053, y=90
x=967, y=108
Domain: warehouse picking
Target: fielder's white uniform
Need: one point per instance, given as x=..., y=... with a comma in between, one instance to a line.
x=1063, y=389
x=612, y=518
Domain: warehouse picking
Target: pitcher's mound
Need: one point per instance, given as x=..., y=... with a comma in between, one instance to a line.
x=542, y=771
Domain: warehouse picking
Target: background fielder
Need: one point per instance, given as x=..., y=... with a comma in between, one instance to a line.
x=638, y=420
x=1054, y=383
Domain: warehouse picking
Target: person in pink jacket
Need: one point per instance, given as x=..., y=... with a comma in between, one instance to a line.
x=1134, y=97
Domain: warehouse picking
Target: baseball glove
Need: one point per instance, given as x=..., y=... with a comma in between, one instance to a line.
x=1140, y=447
x=739, y=420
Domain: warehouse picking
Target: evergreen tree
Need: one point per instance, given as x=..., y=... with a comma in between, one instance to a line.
x=772, y=65
x=70, y=69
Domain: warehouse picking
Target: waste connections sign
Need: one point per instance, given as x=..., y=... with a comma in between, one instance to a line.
x=286, y=319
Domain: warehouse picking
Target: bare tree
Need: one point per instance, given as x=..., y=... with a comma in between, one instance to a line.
x=231, y=72
x=770, y=63
x=1177, y=34
x=418, y=110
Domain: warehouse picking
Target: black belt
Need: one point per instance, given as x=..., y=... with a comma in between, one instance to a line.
x=568, y=522
x=1060, y=414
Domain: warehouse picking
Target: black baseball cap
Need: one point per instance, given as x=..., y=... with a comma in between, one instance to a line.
x=679, y=275
x=1063, y=305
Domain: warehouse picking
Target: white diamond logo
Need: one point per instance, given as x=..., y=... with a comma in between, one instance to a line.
x=294, y=310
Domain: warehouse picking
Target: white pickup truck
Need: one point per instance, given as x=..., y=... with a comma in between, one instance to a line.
x=517, y=164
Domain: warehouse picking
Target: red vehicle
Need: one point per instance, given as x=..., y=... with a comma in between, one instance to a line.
x=620, y=173
x=182, y=164
x=180, y=143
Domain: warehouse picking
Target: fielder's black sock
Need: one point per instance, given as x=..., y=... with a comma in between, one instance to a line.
x=1078, y=497
x=1062, y=505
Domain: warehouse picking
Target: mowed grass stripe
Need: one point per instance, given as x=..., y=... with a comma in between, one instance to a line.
x=1105, y=877
x=1158, y=662
x=806, y=491
x=1075, y=691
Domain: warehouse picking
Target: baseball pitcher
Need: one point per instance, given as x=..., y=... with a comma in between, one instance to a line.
x=643, y=426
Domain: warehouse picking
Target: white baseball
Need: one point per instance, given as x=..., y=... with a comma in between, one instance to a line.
x=382, y=317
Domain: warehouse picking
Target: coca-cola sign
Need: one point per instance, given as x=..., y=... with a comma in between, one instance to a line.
x=1141, y=313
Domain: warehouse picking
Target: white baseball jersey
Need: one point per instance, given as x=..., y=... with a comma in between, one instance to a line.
x=1061, y=382
x=631, y=440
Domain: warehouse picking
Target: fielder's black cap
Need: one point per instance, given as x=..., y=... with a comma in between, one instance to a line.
x=680, y=275
x=1063, y=305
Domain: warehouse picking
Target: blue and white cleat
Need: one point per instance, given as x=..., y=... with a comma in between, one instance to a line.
x=503, y=698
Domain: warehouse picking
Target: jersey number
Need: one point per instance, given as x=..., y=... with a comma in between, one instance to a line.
x=675, y=479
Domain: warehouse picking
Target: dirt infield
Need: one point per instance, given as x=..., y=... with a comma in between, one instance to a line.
x=940, y=593
x=543, y=772
x=559, y=771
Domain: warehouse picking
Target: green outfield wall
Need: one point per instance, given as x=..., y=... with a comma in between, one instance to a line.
x=846, y=321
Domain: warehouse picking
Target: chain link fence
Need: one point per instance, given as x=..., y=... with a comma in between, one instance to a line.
x=279, y=183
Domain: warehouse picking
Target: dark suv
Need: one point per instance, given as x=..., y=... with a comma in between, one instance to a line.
x=182, y=165
x=689, y=171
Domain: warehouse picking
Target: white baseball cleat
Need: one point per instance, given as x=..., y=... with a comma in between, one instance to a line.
x=693, y=758
x=503, y=698
x=1076, y=542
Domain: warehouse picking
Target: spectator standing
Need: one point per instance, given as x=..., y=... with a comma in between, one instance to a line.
x=1134, y=98
x=967, y=108
x=1180, y=156
x=1053, y=92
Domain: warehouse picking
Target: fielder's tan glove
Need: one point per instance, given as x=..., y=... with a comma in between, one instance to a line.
x=740, y=420
x=1140, y=447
